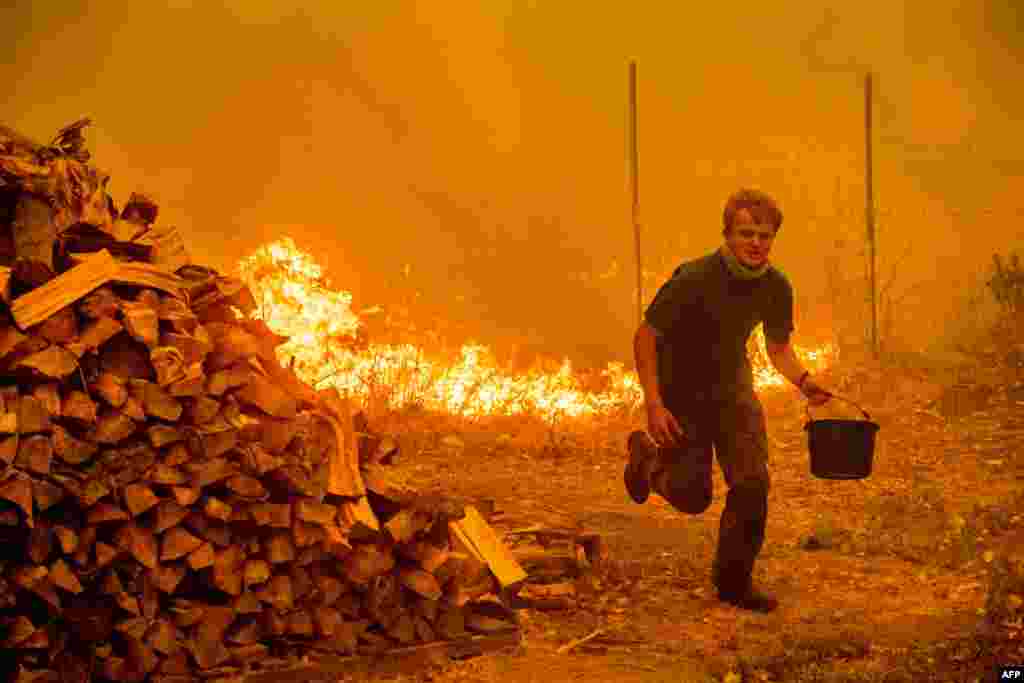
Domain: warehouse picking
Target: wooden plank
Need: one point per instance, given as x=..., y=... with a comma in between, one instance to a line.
x=344, y=477
x=463, y=543
x=147, y=275
x=402, y=660
x=5, y=284
x=63, y=290
x=169, y=251
x=360, y=512
x=89, y=243
x=139, y=274
x=474, y=530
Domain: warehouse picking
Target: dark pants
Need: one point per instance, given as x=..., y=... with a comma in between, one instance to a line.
x=734, y=429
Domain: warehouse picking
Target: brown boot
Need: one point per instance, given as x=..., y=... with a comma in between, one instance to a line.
x=643, y=457
x=750, y=599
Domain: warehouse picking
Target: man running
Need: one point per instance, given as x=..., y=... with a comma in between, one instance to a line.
x=691, y=358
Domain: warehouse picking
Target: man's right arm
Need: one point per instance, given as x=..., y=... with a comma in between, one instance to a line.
x=645, y=353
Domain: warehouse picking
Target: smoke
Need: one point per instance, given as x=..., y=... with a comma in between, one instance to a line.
x=484, y=146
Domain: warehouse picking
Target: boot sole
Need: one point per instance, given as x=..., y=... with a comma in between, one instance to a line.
x=749, y=605
x=635, y=476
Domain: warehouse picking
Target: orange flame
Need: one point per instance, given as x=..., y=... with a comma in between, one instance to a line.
x=296, y=301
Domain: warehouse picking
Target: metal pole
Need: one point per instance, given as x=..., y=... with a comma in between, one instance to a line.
x=634, y=164
x=869, y=214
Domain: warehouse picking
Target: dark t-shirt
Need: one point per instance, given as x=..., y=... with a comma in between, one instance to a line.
x=705, y=315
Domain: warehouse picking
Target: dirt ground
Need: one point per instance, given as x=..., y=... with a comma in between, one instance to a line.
x=882, y=579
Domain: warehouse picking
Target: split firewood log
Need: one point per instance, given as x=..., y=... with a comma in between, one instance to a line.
x=168, y=365
x=32, y=416
x=176, y=543
x=46, y=494
x=227, y=570
x=168, y=514
x=217, y=509
x=86, y=539
x=186, y=495
x=40, y=543
x=100, y=303
x=191, y=382
x=200, y=410
x=161, y=435
x=105, y=554
x=232, y=377
x=139, y=498
x=111, y=388
x=18, y=490
x=139, y=542
x=141, y=322
x=256, y=571
x=279, y=548
x=193, y=349
x=176, y=454
x=246, y=487
x=67, y=539
x=112, y=426
x=167, y=576
x=306, y=535
x=208, y=529
x=59, y=328
x=35, y=454
x=78, y=405
x=206, y=473
x=49, y=395
x=245, y=632
x=106, y=512
x=163, y=637
x=202, y=557
x=53, y=362
x=155, y=401
x=277, y=515
x=313, y=512
x=366, y=562
x=166, y=475
x=125, y=357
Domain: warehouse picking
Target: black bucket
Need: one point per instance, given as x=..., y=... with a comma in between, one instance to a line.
x=841, y=449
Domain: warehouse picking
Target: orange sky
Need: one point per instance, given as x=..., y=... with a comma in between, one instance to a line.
x=484, y=144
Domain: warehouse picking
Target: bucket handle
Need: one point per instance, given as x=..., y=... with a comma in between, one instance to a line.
x=867, y=417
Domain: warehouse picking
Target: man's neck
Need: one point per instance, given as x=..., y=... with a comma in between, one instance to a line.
x=738, y=269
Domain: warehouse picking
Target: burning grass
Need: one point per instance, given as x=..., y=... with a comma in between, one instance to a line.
x=327, y=347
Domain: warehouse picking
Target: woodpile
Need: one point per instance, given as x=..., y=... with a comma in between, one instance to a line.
x=173, y=501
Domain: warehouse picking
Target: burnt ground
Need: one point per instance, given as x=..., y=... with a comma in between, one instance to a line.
x=894, y=589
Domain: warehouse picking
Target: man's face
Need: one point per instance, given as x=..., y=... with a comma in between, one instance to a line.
x=750, y=241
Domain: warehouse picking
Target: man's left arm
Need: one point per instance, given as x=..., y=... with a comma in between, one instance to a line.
x=778, y=329
x=784, y=359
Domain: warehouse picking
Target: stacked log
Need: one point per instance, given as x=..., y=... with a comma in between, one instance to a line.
x=173, y=500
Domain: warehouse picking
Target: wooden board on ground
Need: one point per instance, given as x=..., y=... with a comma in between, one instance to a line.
x=475, y=533
x=401, y=660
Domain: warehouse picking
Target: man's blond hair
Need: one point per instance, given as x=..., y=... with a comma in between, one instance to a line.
x=761, y=206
